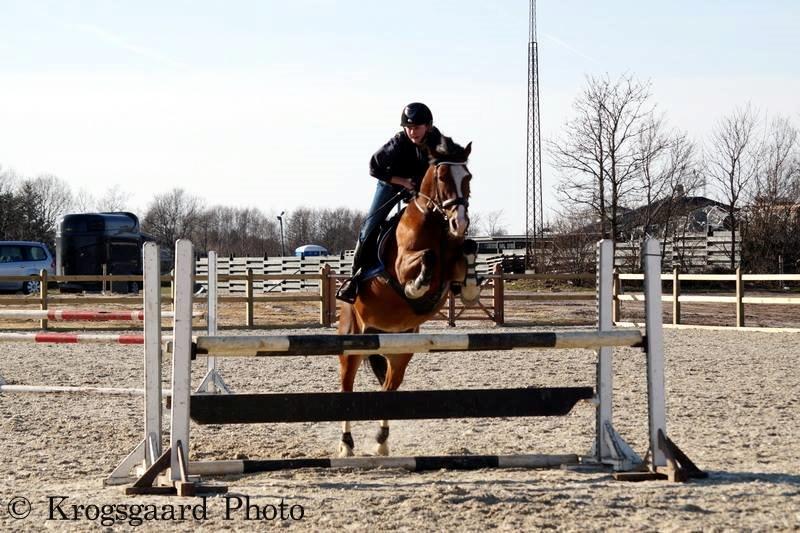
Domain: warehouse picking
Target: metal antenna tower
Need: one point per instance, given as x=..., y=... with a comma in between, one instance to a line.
x=533, y=206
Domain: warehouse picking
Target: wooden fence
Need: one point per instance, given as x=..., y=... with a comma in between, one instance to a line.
x=738, y=298
x=270, y=273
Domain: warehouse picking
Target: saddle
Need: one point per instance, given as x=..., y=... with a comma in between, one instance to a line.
x=375, y=266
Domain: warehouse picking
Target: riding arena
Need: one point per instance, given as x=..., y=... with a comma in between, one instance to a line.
x=473, y=433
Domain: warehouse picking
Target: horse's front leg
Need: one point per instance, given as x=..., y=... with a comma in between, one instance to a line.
x=417, y=286
x=471, y=290
x=466, y=282
x=396, y=370
x=348, y=366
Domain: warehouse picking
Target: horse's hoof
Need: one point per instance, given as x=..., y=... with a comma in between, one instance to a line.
x=470, y=297
x=345, y=450
x=382, y=449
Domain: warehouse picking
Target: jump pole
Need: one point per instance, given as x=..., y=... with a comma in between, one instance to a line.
x=80, y=315
x=110, y=391
x=414, y=464
x=71, y=338
x=418, y=343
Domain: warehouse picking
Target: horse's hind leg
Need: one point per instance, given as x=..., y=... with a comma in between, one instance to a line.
x=396, y=370
x=348, y=366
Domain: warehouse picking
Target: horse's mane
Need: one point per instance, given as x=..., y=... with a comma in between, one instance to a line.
x=446, y=150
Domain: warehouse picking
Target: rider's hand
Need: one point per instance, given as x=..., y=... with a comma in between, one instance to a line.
x=408, y=183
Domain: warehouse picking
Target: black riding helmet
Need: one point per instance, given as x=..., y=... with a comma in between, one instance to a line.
x=416, y=114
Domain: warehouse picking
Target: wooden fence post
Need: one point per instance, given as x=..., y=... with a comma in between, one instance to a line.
x=498, y=293
x=676, y=296
x=249, y=294
x=616, y=289
x=324, y=294
x=739, y=297
x=332, y=295
x=43, y=296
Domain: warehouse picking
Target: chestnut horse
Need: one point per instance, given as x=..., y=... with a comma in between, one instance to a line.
x=426, y=255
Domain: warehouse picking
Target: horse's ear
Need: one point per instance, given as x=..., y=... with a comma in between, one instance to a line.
x=468, y=149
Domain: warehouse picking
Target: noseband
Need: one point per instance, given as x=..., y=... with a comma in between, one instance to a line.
x=439, y=206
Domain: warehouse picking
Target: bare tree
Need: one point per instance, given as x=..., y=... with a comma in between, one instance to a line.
x=493, y=223
x=337, y=228
x=114, y=199
x=55, y=196
x=734, y=158
x=83, y=202
x=573, y=247
x=300, y=228
x=173, y=215
x=780, y=177
x=771, y=230
x=598, y=156
x=475, y=223
x=668, y=174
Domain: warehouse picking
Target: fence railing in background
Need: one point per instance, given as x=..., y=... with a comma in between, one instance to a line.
x=738, y=298
x=492, y=305
x=293, y=273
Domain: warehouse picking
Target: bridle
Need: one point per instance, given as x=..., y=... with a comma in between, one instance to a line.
x=435, y=204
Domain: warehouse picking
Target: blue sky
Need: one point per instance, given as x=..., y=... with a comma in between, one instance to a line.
x=280, y=104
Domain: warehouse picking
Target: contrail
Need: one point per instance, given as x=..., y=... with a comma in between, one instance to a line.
x=575, y=51
x=117, y=41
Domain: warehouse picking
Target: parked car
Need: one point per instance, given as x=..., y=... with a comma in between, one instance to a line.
x=24, y=258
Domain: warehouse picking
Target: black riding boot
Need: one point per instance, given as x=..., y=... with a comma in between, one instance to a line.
x=349, y=289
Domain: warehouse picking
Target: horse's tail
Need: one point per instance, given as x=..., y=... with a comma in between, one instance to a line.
x=379, y=367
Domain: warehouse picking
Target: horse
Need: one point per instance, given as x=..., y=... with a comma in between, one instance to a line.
x=427, y=254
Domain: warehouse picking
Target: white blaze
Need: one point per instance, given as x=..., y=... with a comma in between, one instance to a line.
x=459, y=172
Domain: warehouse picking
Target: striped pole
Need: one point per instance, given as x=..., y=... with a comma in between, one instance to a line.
x=81, y=315
x=5, y=389
x=415, y=464
x=391, y=343
x=71, y=338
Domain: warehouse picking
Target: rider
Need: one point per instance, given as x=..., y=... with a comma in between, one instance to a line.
x=399, y=166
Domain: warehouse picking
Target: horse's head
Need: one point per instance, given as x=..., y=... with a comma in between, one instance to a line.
x=446, y=184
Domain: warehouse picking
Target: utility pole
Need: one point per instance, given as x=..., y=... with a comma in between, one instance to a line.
x=534, y=219
x=280, y=219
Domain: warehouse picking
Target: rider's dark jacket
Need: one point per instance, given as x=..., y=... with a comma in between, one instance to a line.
x=401, y=157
